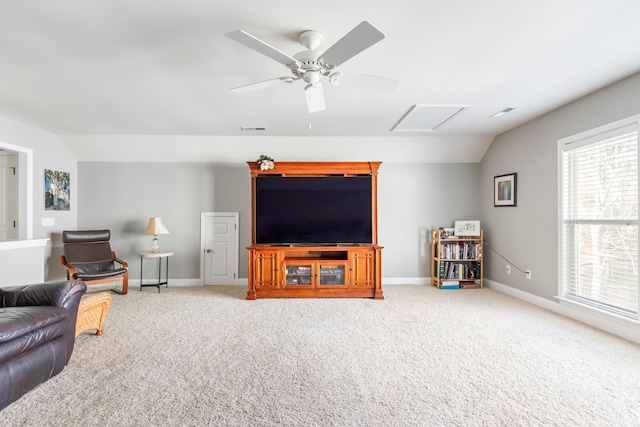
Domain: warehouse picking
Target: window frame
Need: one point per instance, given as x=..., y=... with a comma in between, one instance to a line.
x=584, y=138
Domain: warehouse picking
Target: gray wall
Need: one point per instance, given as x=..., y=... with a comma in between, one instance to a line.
x=122, y=196
x=414, y=198
x=527, y=235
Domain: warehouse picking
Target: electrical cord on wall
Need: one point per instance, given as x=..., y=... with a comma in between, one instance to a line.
x=501, y=256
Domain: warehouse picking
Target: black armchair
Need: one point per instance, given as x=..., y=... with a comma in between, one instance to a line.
x=88, y=257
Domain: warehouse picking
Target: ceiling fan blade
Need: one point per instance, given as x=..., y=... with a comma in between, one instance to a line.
x=315, y=98
x=261, y=85
x=360, y=38
x=258, y=45
x=364, y=81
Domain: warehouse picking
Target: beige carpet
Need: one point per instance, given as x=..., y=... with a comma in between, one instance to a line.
x=203, y=356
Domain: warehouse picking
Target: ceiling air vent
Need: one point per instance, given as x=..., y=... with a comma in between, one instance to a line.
x=421, y=118
x=505, y=110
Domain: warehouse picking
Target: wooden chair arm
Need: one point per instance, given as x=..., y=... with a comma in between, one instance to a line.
x=120, y=261
x=71, y=272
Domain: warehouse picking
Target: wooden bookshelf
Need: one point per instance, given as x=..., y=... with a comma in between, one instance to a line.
x=456, y=261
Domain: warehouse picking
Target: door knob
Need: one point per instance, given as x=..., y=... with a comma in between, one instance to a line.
x=209, y=251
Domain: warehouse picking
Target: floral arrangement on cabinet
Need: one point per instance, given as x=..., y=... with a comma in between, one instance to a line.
x=266, y=162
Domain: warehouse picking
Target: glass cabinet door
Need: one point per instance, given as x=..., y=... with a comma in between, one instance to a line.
x=298, y=275
x=332, y=275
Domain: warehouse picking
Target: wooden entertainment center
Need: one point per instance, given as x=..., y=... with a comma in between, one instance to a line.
x=316, y=270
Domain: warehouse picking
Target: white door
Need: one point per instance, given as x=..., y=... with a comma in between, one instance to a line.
x=8, y=197
x=219, y=248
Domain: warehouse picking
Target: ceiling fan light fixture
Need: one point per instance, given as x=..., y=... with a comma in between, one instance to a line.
x=315, y=98
x=312, y=77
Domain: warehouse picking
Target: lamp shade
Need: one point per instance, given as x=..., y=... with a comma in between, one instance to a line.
x=156, y=227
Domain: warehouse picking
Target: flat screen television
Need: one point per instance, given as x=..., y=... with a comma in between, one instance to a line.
x=313, y=210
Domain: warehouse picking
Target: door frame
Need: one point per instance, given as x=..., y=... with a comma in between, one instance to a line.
x=25, y=189
x=235, y=257
x=9, y=210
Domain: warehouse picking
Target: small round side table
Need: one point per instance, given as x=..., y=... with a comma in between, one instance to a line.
x=159, y=256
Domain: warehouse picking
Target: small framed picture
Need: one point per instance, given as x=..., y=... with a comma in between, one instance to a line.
x=446, y=233
x=467, y=228
x=56, y=190
x=505, y=190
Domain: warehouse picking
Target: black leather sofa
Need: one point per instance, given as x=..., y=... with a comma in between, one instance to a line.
x=37, y=334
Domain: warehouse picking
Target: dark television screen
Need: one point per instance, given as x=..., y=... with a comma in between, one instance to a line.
x=313, y=210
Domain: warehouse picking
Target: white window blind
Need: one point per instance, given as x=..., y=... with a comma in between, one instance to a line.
x=600, y=220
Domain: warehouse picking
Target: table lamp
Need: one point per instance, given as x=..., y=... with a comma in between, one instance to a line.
x=155, y=227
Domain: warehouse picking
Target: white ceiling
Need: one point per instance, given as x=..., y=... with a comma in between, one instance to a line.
x=81, y=68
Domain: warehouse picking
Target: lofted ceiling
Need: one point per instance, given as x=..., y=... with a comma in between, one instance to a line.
x=91, y=70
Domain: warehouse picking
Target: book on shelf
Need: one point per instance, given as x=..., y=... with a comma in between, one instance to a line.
x=469, y=285
x=450, y=285
x=460, y=250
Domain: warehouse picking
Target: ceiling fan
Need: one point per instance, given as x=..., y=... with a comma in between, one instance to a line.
x=312, y=65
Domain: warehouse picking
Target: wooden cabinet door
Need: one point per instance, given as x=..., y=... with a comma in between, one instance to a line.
x=266, y=268
x=331, y=274
x=362, y=269
x=299, y=274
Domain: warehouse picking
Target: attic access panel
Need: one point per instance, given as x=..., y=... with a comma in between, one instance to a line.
x=422, y=118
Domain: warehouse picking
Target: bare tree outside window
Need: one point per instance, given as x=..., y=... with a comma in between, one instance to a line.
x=600, y=223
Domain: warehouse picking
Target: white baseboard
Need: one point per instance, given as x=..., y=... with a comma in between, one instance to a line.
x=135, y=283
x=624, y=328
x=243, y=281
x=183, y=282
x=406, y=281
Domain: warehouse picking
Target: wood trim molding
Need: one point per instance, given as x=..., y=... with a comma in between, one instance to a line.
x=317, y=168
